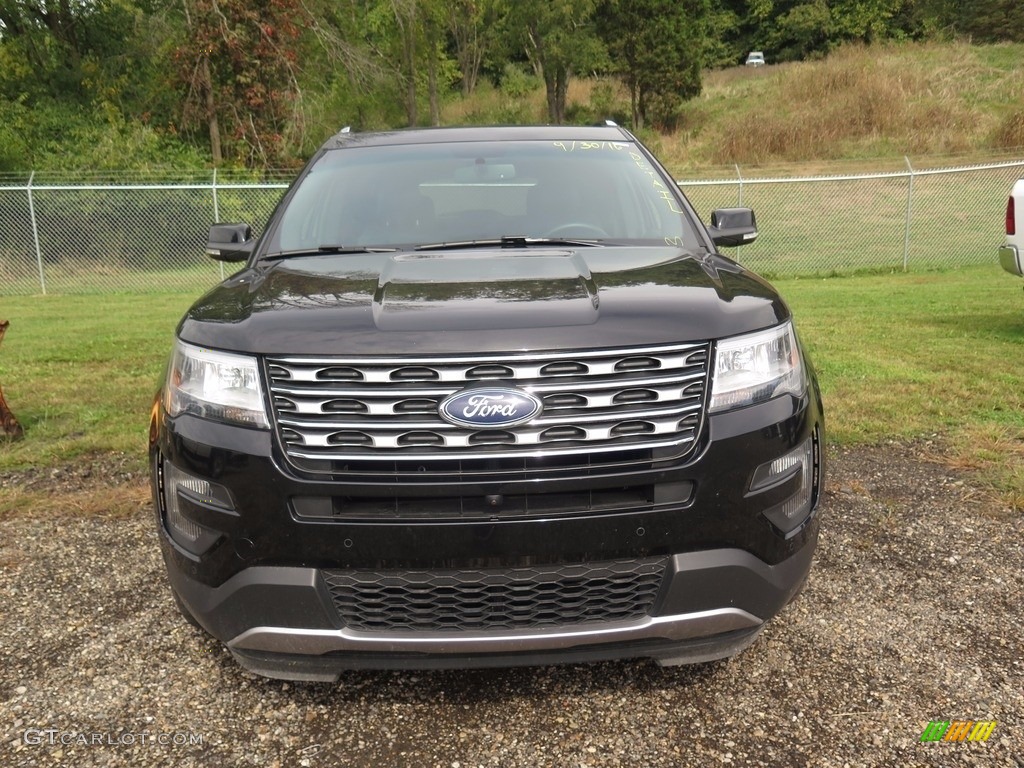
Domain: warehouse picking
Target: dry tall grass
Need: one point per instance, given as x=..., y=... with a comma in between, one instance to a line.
x=1010, y=133
x=907, y=99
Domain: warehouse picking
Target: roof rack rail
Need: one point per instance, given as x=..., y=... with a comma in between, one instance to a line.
x=343, y=135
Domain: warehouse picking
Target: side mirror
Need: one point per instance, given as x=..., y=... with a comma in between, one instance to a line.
x=733, y=226
x=230, y=242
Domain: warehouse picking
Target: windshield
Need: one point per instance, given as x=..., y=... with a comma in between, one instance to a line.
x=418, y=194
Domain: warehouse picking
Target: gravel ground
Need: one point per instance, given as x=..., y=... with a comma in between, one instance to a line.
x=913, y=613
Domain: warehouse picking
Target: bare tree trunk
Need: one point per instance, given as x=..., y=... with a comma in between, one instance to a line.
x=435, y=106
x=409, y=50
x=562, y=93
x=8, y=424
x=462, y=25
x=550, y=90
x=211, y=114
x=405, y=17
x=634, y=102
x=556, y=86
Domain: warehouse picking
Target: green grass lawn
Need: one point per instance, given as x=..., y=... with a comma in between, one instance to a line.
x=899, y=356
x=79, y=372
x=905, y=356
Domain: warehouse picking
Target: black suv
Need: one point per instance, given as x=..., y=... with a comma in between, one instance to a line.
x=482, y=397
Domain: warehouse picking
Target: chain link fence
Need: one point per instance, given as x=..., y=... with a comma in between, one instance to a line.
x=914, y=219
x=97, y=235
x=102, y=235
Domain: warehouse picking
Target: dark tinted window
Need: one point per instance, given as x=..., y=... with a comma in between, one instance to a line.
x=428, y=193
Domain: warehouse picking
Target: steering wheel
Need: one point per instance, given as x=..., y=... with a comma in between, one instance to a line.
x=578, y=229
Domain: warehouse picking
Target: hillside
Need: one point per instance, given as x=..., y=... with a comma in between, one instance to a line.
x=862, y=103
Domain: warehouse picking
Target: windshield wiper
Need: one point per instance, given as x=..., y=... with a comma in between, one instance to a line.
x=508, y=241
x=328, y=249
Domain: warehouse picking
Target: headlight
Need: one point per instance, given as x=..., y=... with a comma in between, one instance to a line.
x=756, y=367
x=214, y=385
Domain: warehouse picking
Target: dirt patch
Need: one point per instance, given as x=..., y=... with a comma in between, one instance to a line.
x=111, y=485
x=82, y=474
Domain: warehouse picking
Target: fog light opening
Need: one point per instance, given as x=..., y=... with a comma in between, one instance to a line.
x=184, y=530
x=791, y=513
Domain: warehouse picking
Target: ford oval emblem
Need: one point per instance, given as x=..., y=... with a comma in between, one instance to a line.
x=489, y=407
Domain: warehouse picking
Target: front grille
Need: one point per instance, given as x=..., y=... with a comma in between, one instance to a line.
x=332, y=411
x=496, y=599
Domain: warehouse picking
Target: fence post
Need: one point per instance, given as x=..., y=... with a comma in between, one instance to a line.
x=35, y=233
x=910, y=209
x=216, y=215
x=216, y=202
x=740, y=177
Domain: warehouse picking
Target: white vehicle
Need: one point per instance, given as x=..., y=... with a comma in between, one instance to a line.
x=1010, y=254
x=755, y=59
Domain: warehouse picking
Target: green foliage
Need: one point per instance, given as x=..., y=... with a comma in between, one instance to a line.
x=560, y=39
x=515, y=82
x=802, y=31
x=606, y=103
x=140, y=82
x=15, y=140
x=490, y=105
x=724, y=45
x=990, y=21
x=658, y=46
x=791, y=30
x=236, y=63
x=41, y=138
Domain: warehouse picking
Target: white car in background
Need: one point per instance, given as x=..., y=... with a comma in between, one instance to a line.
x=755, y=59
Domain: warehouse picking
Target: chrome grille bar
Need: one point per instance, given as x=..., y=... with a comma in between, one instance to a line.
x=340, y=409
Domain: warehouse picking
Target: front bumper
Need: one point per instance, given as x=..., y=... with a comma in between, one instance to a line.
x=1010, y=260
x=256, y=579
x=713, y=605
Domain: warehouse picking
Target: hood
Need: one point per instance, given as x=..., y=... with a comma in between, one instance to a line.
x=477, y=300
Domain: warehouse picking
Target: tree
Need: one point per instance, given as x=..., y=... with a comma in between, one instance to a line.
x=659, y=46
x=797, y=29
x=727, y=46
x=238, y=65
x=989, y=21
x=559, y=37
x=863, y=20
x=803, y=29
x=407, y=23
x=407, y=40
x=60, y=49
x=355, y=71
x=49, y=35
x=472, y=26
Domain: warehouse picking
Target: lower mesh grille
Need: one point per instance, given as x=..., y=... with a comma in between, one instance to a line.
x=496, y=599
